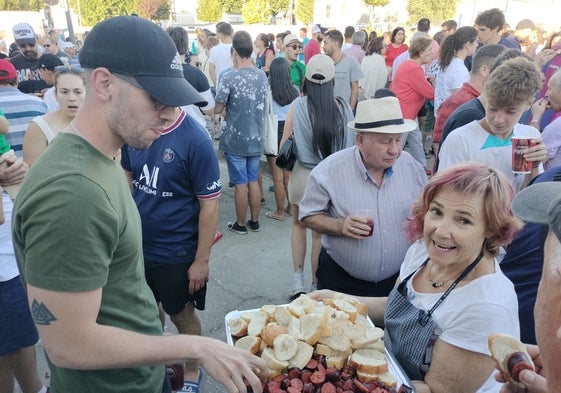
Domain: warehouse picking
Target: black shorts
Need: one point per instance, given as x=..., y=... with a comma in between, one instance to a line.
x=169, y=283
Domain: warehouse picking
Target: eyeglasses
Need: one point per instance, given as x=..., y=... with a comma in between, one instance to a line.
x=26, y=44
x=47, y=45
x=158, y=106
x=295, y=47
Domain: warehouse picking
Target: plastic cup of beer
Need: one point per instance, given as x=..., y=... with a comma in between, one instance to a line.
x=519, y=147
x=369, y=215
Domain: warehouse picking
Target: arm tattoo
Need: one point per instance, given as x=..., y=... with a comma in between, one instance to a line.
x=41, y=314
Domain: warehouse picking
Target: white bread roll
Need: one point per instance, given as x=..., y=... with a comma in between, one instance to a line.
x=369, y=361
x=249, y=343
x=285, y=346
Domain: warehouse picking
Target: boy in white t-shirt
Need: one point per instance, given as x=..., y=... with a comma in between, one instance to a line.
x=510, y=92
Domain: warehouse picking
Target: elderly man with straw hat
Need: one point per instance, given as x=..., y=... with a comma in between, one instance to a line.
x=359, y=198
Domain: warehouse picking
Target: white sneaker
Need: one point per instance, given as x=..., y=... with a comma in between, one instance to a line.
x=297, y=284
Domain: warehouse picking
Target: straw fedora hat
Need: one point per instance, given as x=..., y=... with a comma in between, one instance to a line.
x=381, y=115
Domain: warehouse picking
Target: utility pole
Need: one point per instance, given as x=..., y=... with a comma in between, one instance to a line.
x=69, y=23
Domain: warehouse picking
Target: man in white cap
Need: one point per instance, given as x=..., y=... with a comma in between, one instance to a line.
x=94, y=311
x=292, y=48
x=312, y=47
x=27, y=62
x=370, y=185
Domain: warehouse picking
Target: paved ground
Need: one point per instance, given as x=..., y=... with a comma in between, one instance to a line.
x=247, y=271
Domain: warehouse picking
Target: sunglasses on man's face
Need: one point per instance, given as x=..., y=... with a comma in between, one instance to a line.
x=295, y=47
x=26, y=44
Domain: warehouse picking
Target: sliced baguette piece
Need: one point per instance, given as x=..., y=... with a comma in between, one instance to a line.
x=378, y=346
x=271, y=331
x=369, y=361
x=285, y=346
x=348, y=308
x=294, y=327
x=338, y=359
x=251, y=344
x=325, y=350
x=282, y=316
x=238, y=327
x=372, y=335
x=310, y=328
x=273, y=362
x=338, y=343
x=302, y=305
x=388, y=379
x=365, y=377
x=303, y=355
x=268, y=309
x=256, y=324
x=361, y=307
x=502, y=347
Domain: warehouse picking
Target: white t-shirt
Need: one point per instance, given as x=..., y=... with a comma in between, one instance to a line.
x=8, y=264
x=472, y=143
x=470, y=313
x=452, y=78
x=220, y=56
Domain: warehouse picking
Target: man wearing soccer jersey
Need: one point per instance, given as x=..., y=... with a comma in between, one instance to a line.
x=176, y=186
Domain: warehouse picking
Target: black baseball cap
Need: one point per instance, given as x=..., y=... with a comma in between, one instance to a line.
x=49, y=61
x=119, y=44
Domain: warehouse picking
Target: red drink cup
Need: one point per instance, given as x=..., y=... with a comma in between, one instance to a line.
x=519, y=147
x=369, y=215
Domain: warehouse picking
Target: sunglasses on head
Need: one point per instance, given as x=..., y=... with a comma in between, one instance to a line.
x=65, y=69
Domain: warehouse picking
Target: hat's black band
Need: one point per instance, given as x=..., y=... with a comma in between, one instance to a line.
x=376, y=124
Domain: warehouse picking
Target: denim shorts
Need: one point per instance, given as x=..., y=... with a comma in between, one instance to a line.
x=242, y=169
x=17, y=329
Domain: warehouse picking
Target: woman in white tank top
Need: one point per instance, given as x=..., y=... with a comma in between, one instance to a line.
x=70, y=88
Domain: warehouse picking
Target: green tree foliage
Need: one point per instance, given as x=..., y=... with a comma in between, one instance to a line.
x=377, y=3
x=305, y=11
x=435, y=10
x=154, y=9
x=276, y=6
x=93, y=11
x=21, y=5
x=232, y=6
x=256, y=11
x=209, y=10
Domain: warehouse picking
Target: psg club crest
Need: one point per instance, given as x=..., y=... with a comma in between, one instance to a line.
x=169, y=155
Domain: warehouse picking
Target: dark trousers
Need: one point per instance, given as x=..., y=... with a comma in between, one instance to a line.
x=332, y=276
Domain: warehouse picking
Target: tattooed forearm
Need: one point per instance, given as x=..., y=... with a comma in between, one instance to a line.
x=41, y=314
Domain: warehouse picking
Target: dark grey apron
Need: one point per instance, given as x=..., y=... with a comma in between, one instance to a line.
x=411, y=332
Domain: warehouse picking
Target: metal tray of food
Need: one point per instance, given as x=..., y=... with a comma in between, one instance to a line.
x=393, y=365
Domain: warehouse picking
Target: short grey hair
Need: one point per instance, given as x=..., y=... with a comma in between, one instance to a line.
x=359, y=38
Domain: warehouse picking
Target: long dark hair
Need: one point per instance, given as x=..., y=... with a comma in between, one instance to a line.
x=455, y=42
x=267, y=41
x=327, y=117
x=282, y=89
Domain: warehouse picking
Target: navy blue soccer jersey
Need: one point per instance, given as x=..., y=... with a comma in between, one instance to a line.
x=169, y=178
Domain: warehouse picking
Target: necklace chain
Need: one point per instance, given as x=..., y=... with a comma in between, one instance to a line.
x=438, y=284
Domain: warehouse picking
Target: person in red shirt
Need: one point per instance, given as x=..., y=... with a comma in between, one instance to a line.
x=397, y=45
x=412, y=88
x=312, y=48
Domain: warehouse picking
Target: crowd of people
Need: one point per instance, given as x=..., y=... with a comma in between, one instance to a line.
x=438, y=253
